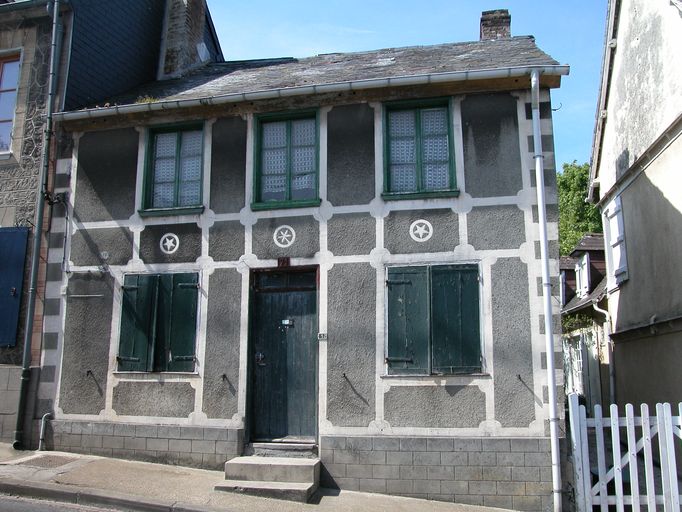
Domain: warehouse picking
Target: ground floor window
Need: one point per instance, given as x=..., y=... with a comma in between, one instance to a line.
x=433, y=320
x=158, y=322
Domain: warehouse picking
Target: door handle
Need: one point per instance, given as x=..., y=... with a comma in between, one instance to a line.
x=13, y=291
x=260, y=358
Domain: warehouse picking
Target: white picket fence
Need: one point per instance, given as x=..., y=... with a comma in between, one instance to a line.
x=633, y=478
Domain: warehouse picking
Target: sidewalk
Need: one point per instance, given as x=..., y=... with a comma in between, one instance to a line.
x=141, y=486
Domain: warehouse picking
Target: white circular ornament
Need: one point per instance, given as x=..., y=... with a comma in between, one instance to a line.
x=284, y=236
x=421, y=230
x=169, y=243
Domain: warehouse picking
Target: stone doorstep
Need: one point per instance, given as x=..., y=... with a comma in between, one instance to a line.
x=292, y=491
x=285, y=478
x=300, y=450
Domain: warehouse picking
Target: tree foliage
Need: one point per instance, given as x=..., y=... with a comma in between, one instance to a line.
x=576, y=217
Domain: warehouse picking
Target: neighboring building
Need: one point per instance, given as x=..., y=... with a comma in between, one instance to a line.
x=340, y=250
x=583, y=308
x=635, y=181
x=100, y=53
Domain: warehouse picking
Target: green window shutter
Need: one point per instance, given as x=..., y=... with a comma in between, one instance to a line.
x=455, y=329
x=408, y=320
x=182, y=322
x=136, y=322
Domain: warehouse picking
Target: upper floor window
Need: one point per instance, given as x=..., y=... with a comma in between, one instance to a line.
x=582, y=275
x=9, y=78
x=174, y=169
x=419, y=150
x=614, y=236
x=286, y=161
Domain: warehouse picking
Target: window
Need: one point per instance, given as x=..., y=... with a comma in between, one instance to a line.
x=9, y=77
x=433, y=320
x=158, y=323
x=582, y=275
x=174, y=171
x=614, y=236
x=418, y=151
x=287, y=162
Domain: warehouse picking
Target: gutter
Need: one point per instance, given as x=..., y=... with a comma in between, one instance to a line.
x=38, y=231
x=547, y=290
x=334, y=87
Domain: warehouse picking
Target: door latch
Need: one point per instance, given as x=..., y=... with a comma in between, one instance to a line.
x=260, y=358
x=288, y=322
x=13, y=291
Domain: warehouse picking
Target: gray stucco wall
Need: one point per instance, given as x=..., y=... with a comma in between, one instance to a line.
x=512, y=351
x=105, y=183
x=492, y=157
x=351, y=233
x=166, y=399
x=496, y=227
x=350, y=155
x=221, y=374
x=226, y=241
x=85, y=358
x=228, y=165
x=189, y=236
x=88, y=247
x=445, y=231
x=435, y=406
x=351, y=345
x=307, y=241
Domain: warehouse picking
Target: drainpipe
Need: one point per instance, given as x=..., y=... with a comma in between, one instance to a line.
x=547, y=290
x=38, y=232
x=609, y=344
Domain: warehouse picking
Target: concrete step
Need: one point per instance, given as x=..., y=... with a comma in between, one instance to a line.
x=273, y=469
x=292, y=491
x=304, y=450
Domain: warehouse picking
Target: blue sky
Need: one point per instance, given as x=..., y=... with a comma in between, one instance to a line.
x=570, y=31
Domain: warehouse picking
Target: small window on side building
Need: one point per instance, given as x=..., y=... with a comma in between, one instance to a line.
x=9, y=78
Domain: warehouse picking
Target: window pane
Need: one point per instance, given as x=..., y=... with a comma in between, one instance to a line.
x=274, y=161
x=403, y=151
x=190, y=168
x=273, y=187
x=401, y=123
x=274, y=135
x=164, y=170
x=10, y=74
x=302, y=160
x=434, y=121
x=303, y=132
x=190, y=193
x=165, y=145
x=303, y=186
x=403, y=178
x=436, y=176
x=5, y=131
x=435, y=149
x=191, y=143
x=7, y=100
x=163, y=195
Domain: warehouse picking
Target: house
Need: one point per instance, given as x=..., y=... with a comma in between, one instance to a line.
x=337, y=254
x=585, y=336
x=635, y=182
x=98, y=53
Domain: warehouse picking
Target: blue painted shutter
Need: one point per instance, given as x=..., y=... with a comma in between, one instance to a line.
x=455, y=329
x=12, y=257
x=408, y=320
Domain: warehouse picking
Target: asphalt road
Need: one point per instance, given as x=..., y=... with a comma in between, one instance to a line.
x=12, y=504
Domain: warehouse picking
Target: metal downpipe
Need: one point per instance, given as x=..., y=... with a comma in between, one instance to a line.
x=18, y=443
x=547, y=291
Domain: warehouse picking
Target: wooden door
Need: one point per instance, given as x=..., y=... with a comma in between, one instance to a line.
x=283, y=352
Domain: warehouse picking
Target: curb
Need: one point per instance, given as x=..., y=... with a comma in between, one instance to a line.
x=95, y=497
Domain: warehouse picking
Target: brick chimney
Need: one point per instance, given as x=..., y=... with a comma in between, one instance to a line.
x=183, y=46
x=495, y=24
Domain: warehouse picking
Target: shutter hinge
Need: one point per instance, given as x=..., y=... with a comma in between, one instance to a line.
x=130, y=287
x=189, y=285
x=399, y=360
x=121, y=359
x=398, y=282
x=184, y=358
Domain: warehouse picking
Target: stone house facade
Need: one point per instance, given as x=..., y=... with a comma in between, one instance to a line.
x=340, y=250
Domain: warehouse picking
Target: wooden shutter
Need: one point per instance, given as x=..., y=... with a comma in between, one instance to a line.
x=408, y=320
x=182, y=323
x=13, y=256
x=455, y=329
x=137, y=325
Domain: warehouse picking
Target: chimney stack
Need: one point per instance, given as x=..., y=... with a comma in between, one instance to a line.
x=183, y=46
x=495, y=24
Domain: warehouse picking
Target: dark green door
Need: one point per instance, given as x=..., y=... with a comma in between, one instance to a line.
x=283, y=354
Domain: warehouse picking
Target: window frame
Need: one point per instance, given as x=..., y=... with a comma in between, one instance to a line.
x=411, y=373
x=259, y=120
x=151, y=354
x=10, y=56
x=148, y=210
x=420, y=193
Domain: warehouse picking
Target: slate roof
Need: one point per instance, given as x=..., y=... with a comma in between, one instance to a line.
x=271, y=74
x=567, y=263
x=578, y=303
x=590, y=242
